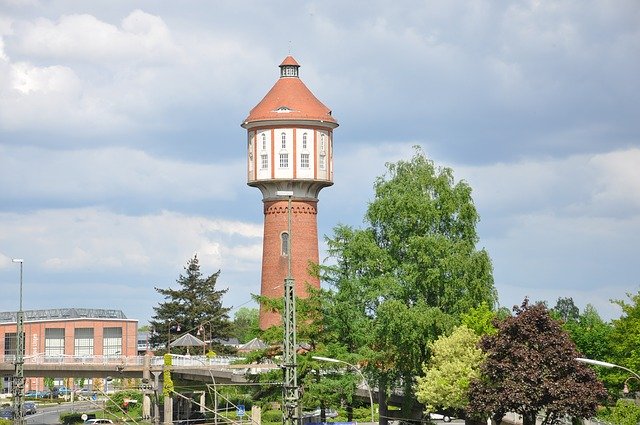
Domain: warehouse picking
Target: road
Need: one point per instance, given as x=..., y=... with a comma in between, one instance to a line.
x=49, y=415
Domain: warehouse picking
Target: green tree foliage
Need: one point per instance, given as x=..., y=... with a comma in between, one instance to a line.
x=625, y=336
x=480, y=319
x=625, y=412
x=454, y=363
x=566, y=310
x=246, y=324
x=591, y=334
x=408, y=275
x=530, y=368
x=195, y=303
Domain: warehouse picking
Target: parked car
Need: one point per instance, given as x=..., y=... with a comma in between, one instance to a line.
x=98, y=421
x=6, y=413
x=29, y=408
x=439, y=417
x=62, y=390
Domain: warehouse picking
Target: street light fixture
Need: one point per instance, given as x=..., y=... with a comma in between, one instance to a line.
x=331, y=360
x=607, y=365
x=18, y=388
x=169, y=334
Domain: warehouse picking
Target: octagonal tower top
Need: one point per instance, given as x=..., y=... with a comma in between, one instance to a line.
x=289, y=100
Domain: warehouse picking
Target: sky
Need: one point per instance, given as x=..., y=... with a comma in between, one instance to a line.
x=122, y=155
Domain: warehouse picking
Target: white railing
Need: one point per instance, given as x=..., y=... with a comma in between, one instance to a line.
x=177, y=360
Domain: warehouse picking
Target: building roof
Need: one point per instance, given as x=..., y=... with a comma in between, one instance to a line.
x=290, y=99
x=63, y=314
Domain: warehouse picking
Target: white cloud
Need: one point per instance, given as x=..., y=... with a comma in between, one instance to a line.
x=90, y=238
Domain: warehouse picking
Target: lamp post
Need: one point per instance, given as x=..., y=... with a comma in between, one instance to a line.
x=330, y=360
x=18, y=378
x=607, y=365
x=169, y=334
x=611, y=365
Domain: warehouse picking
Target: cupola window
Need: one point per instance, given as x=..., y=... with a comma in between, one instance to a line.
x=284, y=140
x=264, y=142
x=304, y=140
x=264, y=161
x=289, y=71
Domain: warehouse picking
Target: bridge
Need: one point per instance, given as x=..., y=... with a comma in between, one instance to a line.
x=221, y=369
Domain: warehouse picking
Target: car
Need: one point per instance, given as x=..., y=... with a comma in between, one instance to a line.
x=62, y=390
x=98, y=421
x=439, y=417
x=6, y=413
x=29, y=408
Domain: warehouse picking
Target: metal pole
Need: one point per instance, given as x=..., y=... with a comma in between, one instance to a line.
x=291, y=391
x=332, y=360
x=18, y=388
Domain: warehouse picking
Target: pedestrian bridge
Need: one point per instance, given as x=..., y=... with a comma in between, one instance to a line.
x=222, y=369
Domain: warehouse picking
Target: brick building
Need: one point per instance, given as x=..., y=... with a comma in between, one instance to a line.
x=73, y=332
x=289, y=158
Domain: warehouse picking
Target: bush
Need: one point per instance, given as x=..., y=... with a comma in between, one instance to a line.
x=625, y=412
x=272, y=416
x=70, y=418
x=118, y=402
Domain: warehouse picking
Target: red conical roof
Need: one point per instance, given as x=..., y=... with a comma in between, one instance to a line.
x=290, y=99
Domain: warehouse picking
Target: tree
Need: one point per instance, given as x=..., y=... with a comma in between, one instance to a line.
x=196, y=303
x=530, y=368
x=246, y=324
x=408, y=275
x=626, y=334
x=566, y=310
x=591, y=335
x=454, y=363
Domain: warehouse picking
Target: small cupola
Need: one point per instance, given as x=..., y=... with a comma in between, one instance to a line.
x=289, y=67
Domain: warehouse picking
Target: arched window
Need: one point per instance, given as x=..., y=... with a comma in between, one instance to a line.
x=284, y=236
x=322, y=142
x=264, y=142
x=304, y=140
x=284, y=140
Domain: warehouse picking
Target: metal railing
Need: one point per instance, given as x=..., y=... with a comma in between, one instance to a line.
x=188, y=361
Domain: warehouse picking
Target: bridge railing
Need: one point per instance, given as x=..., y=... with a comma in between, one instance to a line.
x=177, y=360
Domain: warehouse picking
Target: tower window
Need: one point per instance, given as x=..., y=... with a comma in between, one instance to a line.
x=284, y=160
x=264, y=161
x=304, y=140
x=304, y=160
x=322, y=160
x=284, y=140
x=322, y=142
x=284, y=237
x=264, y=142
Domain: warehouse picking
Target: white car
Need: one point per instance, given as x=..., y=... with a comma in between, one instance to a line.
x=439, y=417
x=98, y=421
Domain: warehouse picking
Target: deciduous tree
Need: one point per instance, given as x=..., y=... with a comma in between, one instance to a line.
x=531, y=368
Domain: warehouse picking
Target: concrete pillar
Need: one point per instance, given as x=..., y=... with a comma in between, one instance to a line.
x=256, y=414
x=203, y=400
x=146, y=380
x=168, y=410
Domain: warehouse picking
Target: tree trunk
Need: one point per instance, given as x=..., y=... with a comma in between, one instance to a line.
x=529, y=418
x=349, y=412
x=382, y=402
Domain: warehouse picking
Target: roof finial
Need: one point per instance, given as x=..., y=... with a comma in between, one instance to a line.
x=289, y=46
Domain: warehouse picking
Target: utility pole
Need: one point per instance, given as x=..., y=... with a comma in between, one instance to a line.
x=18, y=376
x=291, y=392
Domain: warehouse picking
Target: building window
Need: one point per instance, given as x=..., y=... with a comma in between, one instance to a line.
x=10, y=349
x=83, y=342
x=112, y=341
x=322, y=160
x=304, y=140
x=322, y=142
x=284, y=160
x=264, y=161
x=284, y=140
x=54, y=342
x=285, y=243
x=304, y=160
x=264, y=142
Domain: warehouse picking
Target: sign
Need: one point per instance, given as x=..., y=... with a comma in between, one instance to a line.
x=240, y=410
x=84, y=417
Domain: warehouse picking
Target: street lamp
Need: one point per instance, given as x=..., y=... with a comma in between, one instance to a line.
x=606, y=364
x=330, y=360
x=169, y=334
x=18, y=389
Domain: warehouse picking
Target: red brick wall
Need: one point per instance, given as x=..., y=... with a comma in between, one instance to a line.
x=304, y=246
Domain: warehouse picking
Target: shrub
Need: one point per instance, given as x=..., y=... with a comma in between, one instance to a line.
x=272, y=416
